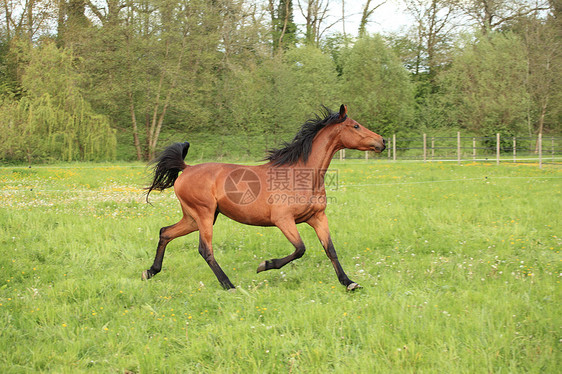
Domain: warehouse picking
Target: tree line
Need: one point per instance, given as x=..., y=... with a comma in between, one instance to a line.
x=106, y=79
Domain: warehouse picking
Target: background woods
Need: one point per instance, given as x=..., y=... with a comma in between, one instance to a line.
x=95, y=79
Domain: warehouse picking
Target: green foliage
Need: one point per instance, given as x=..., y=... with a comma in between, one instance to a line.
x=284, y=29
x=313, y=75
x=337, y=47
x=4, y=74
x=160, y=71
x=274, y=97
x=52, y=120
x=485, y=88
x=377, y=87
x=257, y=99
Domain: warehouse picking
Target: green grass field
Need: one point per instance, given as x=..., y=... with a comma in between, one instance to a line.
x=460, y=266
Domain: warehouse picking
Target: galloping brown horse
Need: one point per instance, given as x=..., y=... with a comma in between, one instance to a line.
x=287, y=190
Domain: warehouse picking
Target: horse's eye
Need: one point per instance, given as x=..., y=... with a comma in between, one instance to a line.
x=356, y=126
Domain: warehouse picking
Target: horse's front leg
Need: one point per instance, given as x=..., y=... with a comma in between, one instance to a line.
x=206, y=251
x=289, y=229
x=319, y=223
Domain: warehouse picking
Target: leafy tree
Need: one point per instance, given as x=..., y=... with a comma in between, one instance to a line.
x=485, y=86
x=377, y=86
x=543, y=46
x=52, y=120
x=315, y=14
x=272, y=97
x=367, y=12
x=491, y=15
x=434, y=22
x=337, y=46
x=284, y=28
x=259, y=99
x=312, y=73
x=159, y=67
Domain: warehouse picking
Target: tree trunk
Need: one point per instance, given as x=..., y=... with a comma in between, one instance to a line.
x=364, y=18
x=541, y=123
x=8, y=19
x=343, y=19
x=29, y=10
x=153, y=132
x=135, y=127
x=285, y=22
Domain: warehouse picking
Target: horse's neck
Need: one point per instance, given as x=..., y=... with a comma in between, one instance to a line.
x=324, y=146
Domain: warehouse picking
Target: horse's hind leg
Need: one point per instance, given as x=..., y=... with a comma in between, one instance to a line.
x=167, y=234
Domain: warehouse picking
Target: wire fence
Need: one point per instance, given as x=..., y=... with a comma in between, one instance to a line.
x=539, y=149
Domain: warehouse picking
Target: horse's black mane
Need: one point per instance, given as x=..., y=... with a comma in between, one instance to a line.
x=301, y=145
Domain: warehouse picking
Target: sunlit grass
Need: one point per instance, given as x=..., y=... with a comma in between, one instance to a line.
x=460, y=267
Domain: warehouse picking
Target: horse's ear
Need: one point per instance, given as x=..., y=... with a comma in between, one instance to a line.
x=343, y=111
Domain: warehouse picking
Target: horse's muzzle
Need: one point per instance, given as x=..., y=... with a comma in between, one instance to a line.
x=378, y=147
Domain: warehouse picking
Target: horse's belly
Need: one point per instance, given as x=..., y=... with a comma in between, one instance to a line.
x=260, y=214
x=249, y=213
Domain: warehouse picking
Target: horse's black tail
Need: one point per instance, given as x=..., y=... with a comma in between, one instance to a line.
x=167, y=167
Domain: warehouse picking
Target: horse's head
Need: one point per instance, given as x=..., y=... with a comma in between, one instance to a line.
x=356, y=136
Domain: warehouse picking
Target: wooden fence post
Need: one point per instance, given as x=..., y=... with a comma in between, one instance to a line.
x=514, y=149
x=540, y=150
x=473, y=149
x=389, y=148
x=497, y=148
x=394, y=147
x=432, y=148
x=459, y=147
x=424, y=147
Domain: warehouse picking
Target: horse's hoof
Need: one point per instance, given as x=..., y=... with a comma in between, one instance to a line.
x=261, y=267
x=145, y=275
x=353, y=286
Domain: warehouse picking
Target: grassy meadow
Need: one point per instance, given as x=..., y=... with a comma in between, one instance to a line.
x=460, y=268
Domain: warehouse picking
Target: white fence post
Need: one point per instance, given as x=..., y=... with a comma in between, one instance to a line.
x=514, y=149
